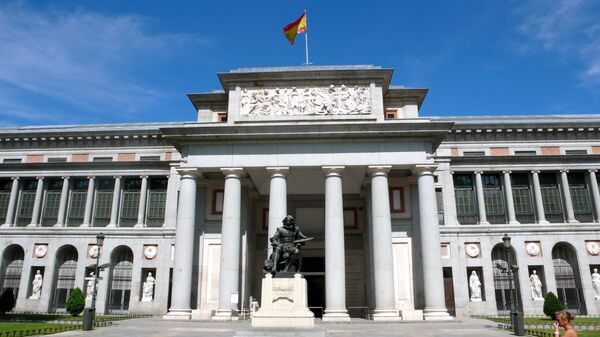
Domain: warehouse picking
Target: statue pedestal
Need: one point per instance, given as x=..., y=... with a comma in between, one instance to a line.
x=283, y=304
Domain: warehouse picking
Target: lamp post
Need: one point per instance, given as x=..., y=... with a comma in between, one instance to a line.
x=89, y=314
x=516, y=317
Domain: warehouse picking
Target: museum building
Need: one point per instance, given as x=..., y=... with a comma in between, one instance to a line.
x=408, y=213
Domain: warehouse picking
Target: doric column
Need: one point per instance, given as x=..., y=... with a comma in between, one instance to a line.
x=89, y=202
x=62, y=205
x=37, y=204
x=12, y=203
x=114, y=210
x=383, y=266
x=435, y=306
x=480, y=199
x=510, y=202
x=539, y=201
x=230, y=243
x=564, y=179
x=335, y=260
x=184, y=247
x=595, y=193
x=277, y=201
x=142, y=205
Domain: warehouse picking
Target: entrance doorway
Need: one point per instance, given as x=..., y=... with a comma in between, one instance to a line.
x=316, y=293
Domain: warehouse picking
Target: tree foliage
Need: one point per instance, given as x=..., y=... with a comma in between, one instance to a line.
x=7, y=301
x=75, y=302
x=552, y=304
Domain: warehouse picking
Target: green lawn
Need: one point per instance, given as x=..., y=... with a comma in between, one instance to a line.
x=547, y=321
x=16, y=326
x=579, y=333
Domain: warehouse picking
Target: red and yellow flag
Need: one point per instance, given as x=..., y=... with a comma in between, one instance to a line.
x=295, y=28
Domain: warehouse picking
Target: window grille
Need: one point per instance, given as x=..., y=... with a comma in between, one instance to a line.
x=464, y=196
x=473, y=153
x=77, y=202
x=575, y=152
x=580, y=197
x=13, y=260
x=12, y=160
x=51, y=208
x=5, y=188
x=103, y=201
x=567, y=285
x=551, y=198
x=525, y=153
x=522, y=198
x=501, y=282
x=157, y=197
x=120, y=289
x=130, y=202
x=65, y=279
x=494, y=199
x=26, y=208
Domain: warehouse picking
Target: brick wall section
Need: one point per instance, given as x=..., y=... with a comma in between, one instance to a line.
x=168, y=155
x=80, y=158
x=550, y=150
x=454, y=152
x=595, y=149
x=34, y=158
x=126, y=157
x=499, y=151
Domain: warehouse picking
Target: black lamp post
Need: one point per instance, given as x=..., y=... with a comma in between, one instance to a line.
x=516, y=317
x=89, y=315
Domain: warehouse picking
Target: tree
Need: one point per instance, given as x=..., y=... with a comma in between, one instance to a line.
x=551, y=305
x=75, y=302
x=7, y=301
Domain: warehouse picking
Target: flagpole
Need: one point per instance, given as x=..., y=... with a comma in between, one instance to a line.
x=306, y=39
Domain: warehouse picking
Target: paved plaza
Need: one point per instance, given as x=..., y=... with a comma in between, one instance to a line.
x=156, y=327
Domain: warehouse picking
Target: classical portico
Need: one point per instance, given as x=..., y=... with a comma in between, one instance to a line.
x=310, y=137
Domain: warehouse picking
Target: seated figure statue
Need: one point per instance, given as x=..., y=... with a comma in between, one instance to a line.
x=286, y=248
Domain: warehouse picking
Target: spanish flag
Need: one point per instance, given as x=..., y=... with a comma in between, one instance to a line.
x=294, y=28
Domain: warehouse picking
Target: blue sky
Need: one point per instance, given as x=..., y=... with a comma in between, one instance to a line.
x=81, y=62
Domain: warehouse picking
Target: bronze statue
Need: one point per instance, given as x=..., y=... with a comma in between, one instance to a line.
x=286, y=248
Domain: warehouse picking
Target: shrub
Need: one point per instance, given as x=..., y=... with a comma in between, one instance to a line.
x=552, y=305
x=7, y=301
x=75, y=302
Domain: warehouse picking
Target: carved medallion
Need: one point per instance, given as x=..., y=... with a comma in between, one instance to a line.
x=150, y=252
x=592, y=247
x=472, y=250
x=41, y=250
x=332, y=100
x=533, y=248
x=93, y=251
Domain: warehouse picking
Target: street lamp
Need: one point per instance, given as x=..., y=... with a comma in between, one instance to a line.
x=516, y=317
x=89, y=315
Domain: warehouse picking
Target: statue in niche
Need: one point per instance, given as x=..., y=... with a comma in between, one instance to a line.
x=36, y=289
x=148, y=288
x=286, y=244
x=536, y=286
x=89, y=287
x=596, y=283
x=475, y=286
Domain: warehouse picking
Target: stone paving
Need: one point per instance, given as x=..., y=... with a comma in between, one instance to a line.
x=156, y=327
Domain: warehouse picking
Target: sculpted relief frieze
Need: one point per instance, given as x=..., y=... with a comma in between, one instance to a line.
x=332, y=100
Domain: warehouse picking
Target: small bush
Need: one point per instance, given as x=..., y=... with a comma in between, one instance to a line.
x=75, y=302
x=552, y=305
x=7, y=301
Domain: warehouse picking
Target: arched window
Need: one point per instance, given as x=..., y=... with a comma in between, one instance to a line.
x=501, y=283
x=65, y=270
x=10, y=271
x=121, y=262
x=568, y=281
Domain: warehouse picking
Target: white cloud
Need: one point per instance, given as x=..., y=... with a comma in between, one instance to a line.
x=79, y=58
x=569, y=28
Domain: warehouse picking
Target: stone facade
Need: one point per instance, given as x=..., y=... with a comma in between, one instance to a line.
x=403, y=208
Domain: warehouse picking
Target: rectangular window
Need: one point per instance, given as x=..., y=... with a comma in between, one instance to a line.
x=525, y=153
x=27, y=199
x=130, y=202
x=77, y=202
x=575, y=152
x=149, y=158
x=473, y=153
x=493, y=196
x=580, y=197
x=104, y=197
x=439, y=198
x=51, y=202
x=464, y=196
x=522, y=198
x=397, y=199
x=57, y=160
x=5, y=188
x=551, y=197
x=157, y=197
x=11, y=160
x=102, y=159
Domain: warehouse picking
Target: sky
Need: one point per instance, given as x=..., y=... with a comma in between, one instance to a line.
x=114, y=61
